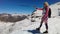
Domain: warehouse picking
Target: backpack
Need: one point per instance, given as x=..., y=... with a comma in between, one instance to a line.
x=49, y=13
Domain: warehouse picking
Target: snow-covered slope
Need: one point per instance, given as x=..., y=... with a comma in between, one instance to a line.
x=22, y=27
x=37, y=13
x=54, y=9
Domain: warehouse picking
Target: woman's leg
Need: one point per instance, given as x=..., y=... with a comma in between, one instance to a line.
x=40, y=25
x=46, y=24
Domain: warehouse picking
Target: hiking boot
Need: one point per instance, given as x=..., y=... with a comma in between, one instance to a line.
x=45, y=32
x=38, y=29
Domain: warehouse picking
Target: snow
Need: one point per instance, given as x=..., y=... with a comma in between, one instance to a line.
x=54, y=9
x=20, y=32
x=22, y=27
x=38, y=13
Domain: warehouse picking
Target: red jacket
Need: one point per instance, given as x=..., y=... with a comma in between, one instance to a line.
x=47, y=10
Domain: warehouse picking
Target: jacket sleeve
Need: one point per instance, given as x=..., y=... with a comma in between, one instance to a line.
x=39, y=8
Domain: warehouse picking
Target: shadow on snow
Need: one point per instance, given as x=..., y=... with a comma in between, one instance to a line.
x=35, y=31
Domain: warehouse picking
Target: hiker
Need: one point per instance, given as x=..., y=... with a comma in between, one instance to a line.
x=44, y=16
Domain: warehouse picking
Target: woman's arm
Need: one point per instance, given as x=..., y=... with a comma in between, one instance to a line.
x=39, y=8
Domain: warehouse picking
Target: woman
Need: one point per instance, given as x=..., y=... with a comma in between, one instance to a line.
x=45, y=16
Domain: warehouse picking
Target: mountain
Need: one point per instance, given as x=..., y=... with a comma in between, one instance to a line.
x=12, y=17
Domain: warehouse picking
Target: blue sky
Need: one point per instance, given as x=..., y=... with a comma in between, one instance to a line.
x=22, y=6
